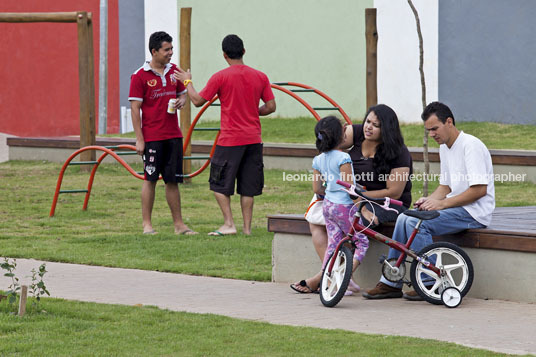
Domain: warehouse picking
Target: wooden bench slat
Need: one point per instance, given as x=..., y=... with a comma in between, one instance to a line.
x=512, y=229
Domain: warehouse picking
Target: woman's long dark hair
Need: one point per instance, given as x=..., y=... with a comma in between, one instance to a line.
x=328, y=132
x=392, y=140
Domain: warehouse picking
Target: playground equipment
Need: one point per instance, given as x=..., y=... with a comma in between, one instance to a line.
x=112, y=150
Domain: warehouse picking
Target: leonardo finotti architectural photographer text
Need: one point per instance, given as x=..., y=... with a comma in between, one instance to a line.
x=367, y=177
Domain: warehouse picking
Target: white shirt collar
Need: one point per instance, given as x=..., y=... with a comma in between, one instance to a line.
x=147, y=67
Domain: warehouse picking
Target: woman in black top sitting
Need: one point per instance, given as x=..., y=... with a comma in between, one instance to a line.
x=383, y=164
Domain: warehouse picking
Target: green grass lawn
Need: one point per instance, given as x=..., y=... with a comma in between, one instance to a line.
x=70, y=328
x=300, y=130
x=109, y=232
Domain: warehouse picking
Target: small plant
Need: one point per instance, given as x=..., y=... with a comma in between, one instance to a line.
x=9, y=267
x=37, y=287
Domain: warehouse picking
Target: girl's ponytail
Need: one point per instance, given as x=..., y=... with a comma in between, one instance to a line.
x=329, y=133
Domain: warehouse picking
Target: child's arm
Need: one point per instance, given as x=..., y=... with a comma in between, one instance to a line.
x=317, y=183
x=346, y=176
x=346, y=173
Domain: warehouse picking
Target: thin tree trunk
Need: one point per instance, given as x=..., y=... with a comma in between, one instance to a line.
x=423, y=89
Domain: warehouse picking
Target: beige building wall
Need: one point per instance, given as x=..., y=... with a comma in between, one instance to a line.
x=317, y=42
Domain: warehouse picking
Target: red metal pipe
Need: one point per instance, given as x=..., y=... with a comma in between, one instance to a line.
x=197, y=117
x=303, y=102
x=325, y=96
x=202, y=168
x=107, y=152
x=275, y=86
x=90, y=183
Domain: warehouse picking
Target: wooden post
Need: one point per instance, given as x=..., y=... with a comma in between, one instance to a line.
x=186, y=113
x=371, y=34
x=86, y=85
x=38, y=17
x=22, y=300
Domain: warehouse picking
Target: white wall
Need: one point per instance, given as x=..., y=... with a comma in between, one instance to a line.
x=399, y=81
x=162, y=15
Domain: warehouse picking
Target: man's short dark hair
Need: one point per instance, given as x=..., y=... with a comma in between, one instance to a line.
x=233, y=46
x=442, y=111
x=156, y=39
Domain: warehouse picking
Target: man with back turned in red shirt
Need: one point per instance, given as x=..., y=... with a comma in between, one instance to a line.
x=238, y=154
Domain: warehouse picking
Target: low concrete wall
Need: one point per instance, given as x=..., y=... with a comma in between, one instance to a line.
x=291, y=157
x=58, y=155
x=499, y=274
x=4, y=148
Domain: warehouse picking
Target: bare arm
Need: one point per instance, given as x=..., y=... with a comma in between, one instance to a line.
x=468, y=196
x=267, y=108
x=194, y=96
x=182, y=76
x=317, y=183
x=346, y=173
x=181, y=100
x=135, y=107
x=395, y=184
x=348, y=140
x=439, y=194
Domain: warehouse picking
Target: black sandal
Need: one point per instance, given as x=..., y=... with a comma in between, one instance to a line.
x=303, y=284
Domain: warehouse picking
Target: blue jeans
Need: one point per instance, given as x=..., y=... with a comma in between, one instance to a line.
x=450, y=220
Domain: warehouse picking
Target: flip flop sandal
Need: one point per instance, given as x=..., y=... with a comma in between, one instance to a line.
x=303, y=284
x=215, y=233
x=187, y=232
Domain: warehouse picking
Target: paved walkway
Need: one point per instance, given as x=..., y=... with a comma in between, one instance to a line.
x=493, y=325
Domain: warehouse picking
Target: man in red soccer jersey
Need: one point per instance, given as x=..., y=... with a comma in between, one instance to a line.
x=158, y=136
x=238, y=154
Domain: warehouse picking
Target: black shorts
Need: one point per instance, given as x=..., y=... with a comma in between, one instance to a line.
x=241, y=163
x=163, y=157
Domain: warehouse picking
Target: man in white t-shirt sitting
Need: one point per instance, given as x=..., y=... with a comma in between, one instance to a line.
x=465, y=197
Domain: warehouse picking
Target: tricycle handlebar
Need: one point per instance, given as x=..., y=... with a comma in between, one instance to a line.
x=358, y=191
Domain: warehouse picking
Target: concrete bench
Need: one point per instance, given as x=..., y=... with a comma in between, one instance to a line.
x=503, y=255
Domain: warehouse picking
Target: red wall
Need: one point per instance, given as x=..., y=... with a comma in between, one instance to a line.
x=39, y=70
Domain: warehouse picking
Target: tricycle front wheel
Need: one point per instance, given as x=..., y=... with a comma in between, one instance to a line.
x=334, y=283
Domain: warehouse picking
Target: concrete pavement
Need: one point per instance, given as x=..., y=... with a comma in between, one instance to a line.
x=500, y=326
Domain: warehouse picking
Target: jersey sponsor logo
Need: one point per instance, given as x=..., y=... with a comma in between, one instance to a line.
x=151, y=151
x=151, y=82
x=150, y=169
x=159, y=93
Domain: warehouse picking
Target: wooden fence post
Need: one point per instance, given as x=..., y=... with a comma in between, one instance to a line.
x=86, y=85
x=22, y=300
x=371, y=34
x=186, y=113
